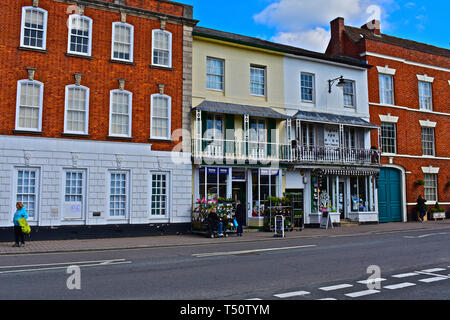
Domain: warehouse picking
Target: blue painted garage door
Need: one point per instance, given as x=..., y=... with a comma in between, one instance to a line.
x=389, y=196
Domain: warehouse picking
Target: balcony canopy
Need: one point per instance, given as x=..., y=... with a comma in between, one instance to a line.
x=333, y=119
x=231, y=108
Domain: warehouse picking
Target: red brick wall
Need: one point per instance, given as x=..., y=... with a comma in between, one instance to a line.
x=409, y=140
x=56, y=70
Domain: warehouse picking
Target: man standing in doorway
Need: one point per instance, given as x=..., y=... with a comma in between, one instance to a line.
x=240, y=217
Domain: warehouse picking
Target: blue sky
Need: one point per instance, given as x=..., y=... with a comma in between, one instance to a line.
x=305, y=23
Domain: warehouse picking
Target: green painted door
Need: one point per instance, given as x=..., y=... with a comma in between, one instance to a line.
x=389, y=196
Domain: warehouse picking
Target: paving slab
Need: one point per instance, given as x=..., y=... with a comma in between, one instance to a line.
x=34, y=247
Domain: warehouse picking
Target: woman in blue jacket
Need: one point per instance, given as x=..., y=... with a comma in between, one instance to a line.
x=18, y=234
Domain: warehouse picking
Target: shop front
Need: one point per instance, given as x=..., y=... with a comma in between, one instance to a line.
x=346, y=194
x=253, y=186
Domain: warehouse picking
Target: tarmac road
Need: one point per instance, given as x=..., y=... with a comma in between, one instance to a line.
x=407, y=264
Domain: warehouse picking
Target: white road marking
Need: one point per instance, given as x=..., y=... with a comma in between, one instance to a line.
x=362, y=293
x=291, y=294
x=328, y=299
x=405, y=275
x=425, y=235
x=214, y=254
x=337, y=287
x=255, y=299
x=371, y=280
x=61, y=263
x=66, y=265
x=434, y=279
x=434, y=270
x=399, y=286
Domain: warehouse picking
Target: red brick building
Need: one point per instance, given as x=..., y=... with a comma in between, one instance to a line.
x=92, y=94
x=409, y=94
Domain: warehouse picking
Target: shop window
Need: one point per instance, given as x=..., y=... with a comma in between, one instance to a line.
x=264, y=185
x=359, y=197
x=213, y=183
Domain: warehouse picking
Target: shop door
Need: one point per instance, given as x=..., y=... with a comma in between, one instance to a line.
x=389, y=196
x=74, y=195
x=342, y=199
x=239, y=192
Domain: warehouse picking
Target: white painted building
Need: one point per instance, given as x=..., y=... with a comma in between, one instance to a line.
x=331, y=131
x=66, y=182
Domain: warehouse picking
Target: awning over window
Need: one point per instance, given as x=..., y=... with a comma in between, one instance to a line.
x=231, y=108
x=333, y=119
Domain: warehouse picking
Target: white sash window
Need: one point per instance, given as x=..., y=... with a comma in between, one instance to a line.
x=29, y=105
x=162, y=48
x=77, y=109
x=34, y=28
x=80, y=35
x=161, y=116
x=120, y=113
x=122, y=42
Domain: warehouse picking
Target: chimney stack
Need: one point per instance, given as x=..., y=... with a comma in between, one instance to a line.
x=336, y=45
x=374, y=26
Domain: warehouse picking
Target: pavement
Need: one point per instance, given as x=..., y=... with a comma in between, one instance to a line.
x=58, y=246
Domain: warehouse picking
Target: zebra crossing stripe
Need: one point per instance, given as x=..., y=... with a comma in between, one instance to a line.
x=337, y=287
x=362, y=293
x=405, y=275
x=400, y=286
x=291, y=294
x=434, y=279
x=434, y=270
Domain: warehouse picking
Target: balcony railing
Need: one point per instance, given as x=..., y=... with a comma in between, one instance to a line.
x=336, y=155
x=239, y=150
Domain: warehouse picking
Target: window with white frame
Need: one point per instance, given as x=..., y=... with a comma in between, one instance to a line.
x=120, y=113
x=386, y=83
x=349, y=94
x=29, y=105
x=80, y=35
x=428, y=141
x=122, y=41
x=431, y=190
x=257, y=80
x=162, y=48
x=160, y=194
x=34, y=28
x=160, y=116
x=307, y=87
x=426, y=95
x=118, y=194
x=388, y=137
x=27, y=190
x=215, y=73
x=77, y=109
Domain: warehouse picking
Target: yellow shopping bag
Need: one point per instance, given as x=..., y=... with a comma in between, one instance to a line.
x=25, y=226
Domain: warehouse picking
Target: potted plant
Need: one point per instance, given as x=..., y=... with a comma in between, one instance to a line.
x=437, y=212
x=419, y=182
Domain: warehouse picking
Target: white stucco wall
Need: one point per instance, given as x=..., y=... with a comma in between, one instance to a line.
x=324, y=101
x=52, y=156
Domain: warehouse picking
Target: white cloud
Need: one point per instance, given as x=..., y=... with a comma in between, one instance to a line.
x=305, y=23
x=315, y=39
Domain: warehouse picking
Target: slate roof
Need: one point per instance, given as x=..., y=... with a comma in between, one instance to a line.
x=354, y=34
x=268, y=45
x=232, y=108
x=333, y=119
